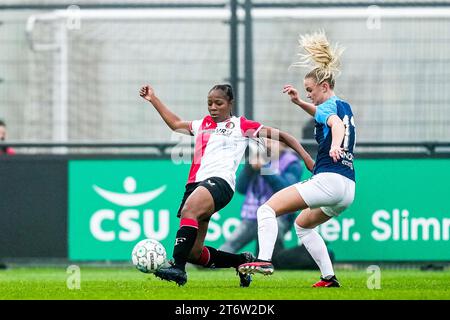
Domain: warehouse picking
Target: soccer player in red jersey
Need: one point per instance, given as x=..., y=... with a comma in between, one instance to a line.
x=220, y=143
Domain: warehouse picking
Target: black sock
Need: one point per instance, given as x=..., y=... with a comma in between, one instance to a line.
x=184, y=242
x=222, y=259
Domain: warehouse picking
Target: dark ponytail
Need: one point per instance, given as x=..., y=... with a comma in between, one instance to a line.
x=226, y=88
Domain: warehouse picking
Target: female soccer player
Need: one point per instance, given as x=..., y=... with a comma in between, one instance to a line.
x=332, y=188
x=220, y=142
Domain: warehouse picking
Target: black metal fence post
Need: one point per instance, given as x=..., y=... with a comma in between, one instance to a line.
x=248, y=101
x=234, y=61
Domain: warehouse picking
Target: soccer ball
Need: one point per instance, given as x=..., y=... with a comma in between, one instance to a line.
x=148, y=255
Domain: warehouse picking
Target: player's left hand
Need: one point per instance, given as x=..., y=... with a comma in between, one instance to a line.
x=336, y=153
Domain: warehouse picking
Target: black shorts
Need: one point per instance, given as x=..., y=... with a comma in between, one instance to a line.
x=219, y=189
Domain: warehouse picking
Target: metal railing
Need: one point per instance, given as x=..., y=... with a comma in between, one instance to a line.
x=364, y=148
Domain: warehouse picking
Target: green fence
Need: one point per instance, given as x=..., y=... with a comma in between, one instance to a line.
x=400, y=212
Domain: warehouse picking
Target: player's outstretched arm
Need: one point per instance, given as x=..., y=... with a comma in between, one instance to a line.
x=337, y=136
x=289, y=140
x=173, y=121
x=295, y=98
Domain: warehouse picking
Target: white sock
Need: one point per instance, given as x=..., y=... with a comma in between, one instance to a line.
x=316, y=247
x=267, y=232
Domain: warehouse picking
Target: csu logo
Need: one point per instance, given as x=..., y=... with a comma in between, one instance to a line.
x=128, y=217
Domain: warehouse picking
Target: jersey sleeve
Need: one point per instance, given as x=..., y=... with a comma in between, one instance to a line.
x=250, y=128
x=324, y=111
x=194, y=126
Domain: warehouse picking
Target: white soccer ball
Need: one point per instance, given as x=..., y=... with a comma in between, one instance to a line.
x=148, y=255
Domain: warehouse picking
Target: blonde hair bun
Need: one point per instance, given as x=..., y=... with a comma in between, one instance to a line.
x=317, y=53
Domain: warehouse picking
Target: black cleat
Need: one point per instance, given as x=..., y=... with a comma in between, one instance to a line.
x=245, y=279
x=172, y=274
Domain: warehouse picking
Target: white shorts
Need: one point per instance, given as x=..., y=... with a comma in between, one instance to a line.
x=331, y=192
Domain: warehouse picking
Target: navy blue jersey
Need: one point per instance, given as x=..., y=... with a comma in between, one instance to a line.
x=322, y=132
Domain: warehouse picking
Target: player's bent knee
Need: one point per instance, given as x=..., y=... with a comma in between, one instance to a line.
x=301, y=232
x=190, y=214
x=265, y=212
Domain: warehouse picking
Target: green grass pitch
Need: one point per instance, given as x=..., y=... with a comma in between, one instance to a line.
x=127, y=283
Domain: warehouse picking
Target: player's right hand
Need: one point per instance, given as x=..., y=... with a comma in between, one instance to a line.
x=292, y=92
x=147, y=92
x=257, y=163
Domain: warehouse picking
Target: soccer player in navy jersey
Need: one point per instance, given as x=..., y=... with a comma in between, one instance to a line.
x=332, y=187
x=220, y=143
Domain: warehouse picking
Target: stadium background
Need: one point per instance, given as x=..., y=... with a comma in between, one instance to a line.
x=68, y=92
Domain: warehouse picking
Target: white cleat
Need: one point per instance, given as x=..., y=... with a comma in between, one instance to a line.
x=265, y=268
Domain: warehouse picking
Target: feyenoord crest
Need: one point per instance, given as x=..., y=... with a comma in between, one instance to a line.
x=229, y=125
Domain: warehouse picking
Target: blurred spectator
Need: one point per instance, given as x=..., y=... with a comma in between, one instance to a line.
x=4, y=150
x=258, y=188
x=308, y=129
